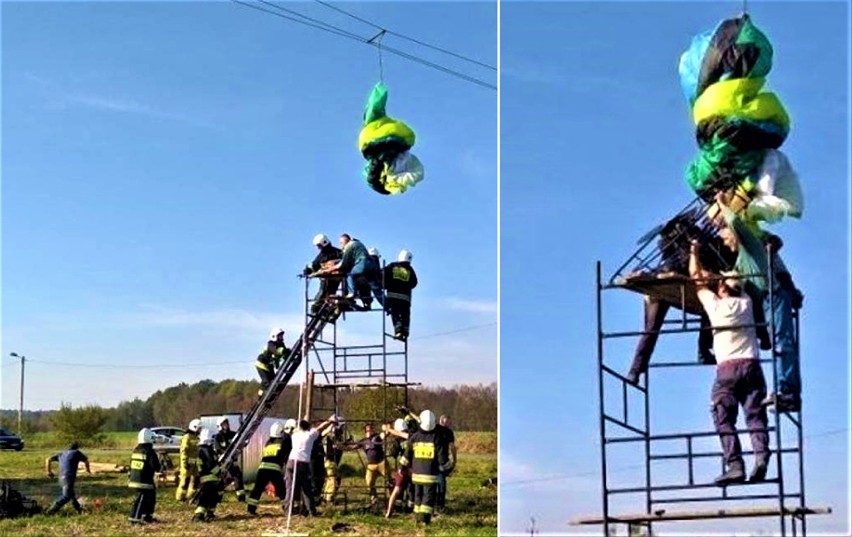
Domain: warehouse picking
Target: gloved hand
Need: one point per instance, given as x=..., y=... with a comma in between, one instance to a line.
x=308, y=271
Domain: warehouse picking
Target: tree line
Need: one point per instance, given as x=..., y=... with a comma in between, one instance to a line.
x=472, y=407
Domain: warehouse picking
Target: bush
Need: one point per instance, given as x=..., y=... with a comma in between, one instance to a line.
x=81, y=425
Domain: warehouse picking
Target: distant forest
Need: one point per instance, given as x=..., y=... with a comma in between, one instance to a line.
x=473, y=408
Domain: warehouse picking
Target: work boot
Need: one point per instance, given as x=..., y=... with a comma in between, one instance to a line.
x=198, y=517
x=241, y=497
x=783, y=402
x=633, y=377
x=706, y=358
x=734, y=474
x=761, y=465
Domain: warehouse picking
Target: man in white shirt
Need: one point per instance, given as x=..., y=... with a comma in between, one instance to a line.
x=298, y=474
x=739, y=377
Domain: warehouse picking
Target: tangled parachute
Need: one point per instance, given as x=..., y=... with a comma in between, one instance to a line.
x=739, y=125
x=385, y=143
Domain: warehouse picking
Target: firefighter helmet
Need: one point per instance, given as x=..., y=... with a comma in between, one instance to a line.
x=399, y=425
x=374, y=251
x=274, y=333
x=404, y=256
x=194, y=425
x=289, y=426
x=320, y=240
x=427, y=420
x=205, y=436
x=146, y=436
x=277, y=430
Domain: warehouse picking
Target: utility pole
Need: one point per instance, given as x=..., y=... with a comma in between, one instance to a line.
x=21, y=402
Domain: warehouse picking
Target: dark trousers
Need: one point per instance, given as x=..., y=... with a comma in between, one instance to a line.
x=424, y=501
x=327, y=288
x=266, y=377
x=68, y=495
x=264, y=477
x=235, y=475
x=655, y=314
x=208, y=498
x=400, y=312
x=301, y=473
x=144, y=504
x=740, y=382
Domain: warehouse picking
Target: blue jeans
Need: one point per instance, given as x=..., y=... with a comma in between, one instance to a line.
x=364, y=268
x=68, y=494
x=780, y=310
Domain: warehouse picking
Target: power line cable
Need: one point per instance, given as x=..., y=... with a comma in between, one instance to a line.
x=300, y=18
x=403, y=36
x=231, y=362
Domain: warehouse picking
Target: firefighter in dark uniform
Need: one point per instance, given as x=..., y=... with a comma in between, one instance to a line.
x=271, y=358
x=328, y=286
x=271, y=466
x=220, y=443
x=423, y=452
x=211, y=479
x=144, y=463
x=400, y=279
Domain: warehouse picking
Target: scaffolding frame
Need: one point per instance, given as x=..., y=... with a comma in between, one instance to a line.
x=350, y=367
x=617, y=428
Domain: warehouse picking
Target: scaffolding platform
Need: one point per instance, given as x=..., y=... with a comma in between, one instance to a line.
x=671, y=287
x=662, y=515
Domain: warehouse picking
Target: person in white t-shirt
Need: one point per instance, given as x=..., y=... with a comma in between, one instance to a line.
x=298, y=474
x=739, y=377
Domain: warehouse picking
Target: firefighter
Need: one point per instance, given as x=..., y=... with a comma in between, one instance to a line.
x=400, y=279
x=211, y=479
x=271, y=467
x=220, y=443
x=332, y=460
x=271, y=358
x=328, y=286
x=423, y=451
x=144, y=463
x=188, y=479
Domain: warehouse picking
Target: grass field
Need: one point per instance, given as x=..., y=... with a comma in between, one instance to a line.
x=471, y=508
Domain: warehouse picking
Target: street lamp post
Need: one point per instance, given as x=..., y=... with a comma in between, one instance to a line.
x=21, y=402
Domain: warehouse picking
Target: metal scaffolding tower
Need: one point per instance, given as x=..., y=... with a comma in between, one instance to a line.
x=625, y=417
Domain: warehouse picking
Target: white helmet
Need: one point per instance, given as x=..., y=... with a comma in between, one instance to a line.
x=320, y=240
x=205, y=436
x=146, y=436
x=273, y=334
x=194, y=425
x=399, y=425
x=374, y=251
x=277, y=430
x=427, y=420
x=404, y=256
x=223, y=420
x=289, y=426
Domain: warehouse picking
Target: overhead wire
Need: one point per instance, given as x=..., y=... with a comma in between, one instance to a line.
x=407, y=38
x=230, y=362
x=300, y=18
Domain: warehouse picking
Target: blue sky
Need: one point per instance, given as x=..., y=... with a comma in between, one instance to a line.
x=595, y=135
x=165, y=166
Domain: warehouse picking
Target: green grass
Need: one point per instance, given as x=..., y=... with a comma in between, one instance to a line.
x=471, y=509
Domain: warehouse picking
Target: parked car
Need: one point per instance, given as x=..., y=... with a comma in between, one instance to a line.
x=9, y=440
x=167, y=438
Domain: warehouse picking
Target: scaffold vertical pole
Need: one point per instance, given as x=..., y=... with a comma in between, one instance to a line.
x=602, y=422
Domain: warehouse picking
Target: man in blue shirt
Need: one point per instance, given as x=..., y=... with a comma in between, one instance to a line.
x=68, y=462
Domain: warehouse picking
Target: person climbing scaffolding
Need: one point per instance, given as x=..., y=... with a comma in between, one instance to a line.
x=326, y=254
